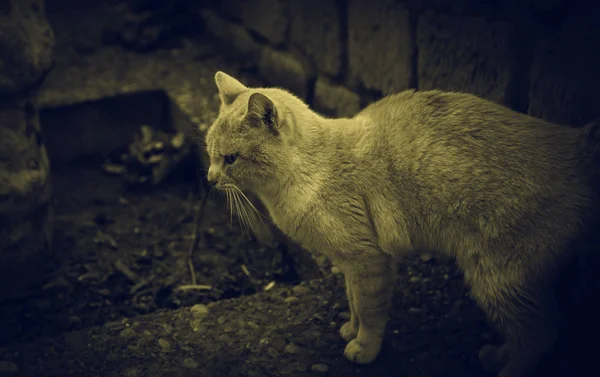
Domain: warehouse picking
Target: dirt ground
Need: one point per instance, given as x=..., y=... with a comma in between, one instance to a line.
x=123, y=261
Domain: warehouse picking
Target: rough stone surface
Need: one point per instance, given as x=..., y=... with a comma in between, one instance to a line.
x=234, y=35
x=335, y=99
x=230, y=8
x=564, y=75
x=548, y=5
x=315, y=28
x=379, y=46
x=284, y=69
x=466, y=54
x=266, y=17
x=26, y=43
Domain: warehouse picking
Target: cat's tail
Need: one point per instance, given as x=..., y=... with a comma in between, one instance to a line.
x=590, y=143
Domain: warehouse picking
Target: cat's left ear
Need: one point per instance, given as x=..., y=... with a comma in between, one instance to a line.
x=229, y=87
x=262, y=113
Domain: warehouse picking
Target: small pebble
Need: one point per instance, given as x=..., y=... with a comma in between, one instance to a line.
x=164, y=344
x=8, y=368
x=293, y=349
x=300, y=290
x=190, y=363
x=336, y=270
x=415, y=279
x=321, y=368
x=290, y=299
x=344, y=315
x=128, y=333
x=74, y=322
x=199, y=311
x=425, y=257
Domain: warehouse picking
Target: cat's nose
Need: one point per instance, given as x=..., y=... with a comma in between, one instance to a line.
x=212, y=176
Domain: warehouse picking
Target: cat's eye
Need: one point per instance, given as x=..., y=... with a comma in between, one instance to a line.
x=230, y=158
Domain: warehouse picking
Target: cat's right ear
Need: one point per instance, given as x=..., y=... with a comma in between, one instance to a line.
x=229, y=87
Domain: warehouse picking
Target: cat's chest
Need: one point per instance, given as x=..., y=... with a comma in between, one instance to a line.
x=304, y=225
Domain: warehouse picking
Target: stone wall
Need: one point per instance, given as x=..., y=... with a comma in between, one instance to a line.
x=26, y=43
x=535, y=56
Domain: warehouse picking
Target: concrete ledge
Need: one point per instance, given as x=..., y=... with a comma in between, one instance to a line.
x=111, y=71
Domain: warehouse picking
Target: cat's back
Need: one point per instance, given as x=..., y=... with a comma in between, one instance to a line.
x=448, y=129
x=462, y=160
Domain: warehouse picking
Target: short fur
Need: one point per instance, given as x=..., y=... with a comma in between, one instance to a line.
x=503, y=193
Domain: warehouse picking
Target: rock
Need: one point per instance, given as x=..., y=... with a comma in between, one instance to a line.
x=320, y=368
x=199, y=311
x=379, y=46
x=290, y=299
x=190, y=363
x=236, y=36
x=315, y=28
x=344, y=316
x=127, y=333
x=293, y=349
x=425, y=257
x=467, y=54
x=301, y=290
x=164, y=344
x=231, y=9
x=564, y=76
x=266, y=17
x=548, y=5
x=335, y=99
x=26, y=44
x=284, y=69
x=8, y=368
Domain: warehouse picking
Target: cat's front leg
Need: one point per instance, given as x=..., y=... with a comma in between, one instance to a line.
x=370, y=283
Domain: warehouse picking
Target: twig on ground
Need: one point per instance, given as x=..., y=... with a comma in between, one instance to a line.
x=194, y=287
x=121, y=267
x=196, y=236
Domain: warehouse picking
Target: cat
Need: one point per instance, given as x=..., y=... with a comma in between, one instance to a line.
x=502, y=193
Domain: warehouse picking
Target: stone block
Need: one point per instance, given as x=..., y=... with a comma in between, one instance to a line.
x=564, y=75
x=334, y=99
x=379, y=46
x=548, y=5
x=25, y=189
x=235, y=36
x=466, y=54
x=315, y=28
x=26, y=44
x=267, y=18
x=230, y=8
x=284, y=69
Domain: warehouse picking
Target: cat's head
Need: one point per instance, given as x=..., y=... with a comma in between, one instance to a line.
x=250, y=143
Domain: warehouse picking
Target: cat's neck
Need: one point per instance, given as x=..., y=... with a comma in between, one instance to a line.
x=310, y=166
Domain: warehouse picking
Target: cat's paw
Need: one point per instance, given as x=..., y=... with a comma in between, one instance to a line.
x=360, y=353
x=348, y=331
x=492, y=358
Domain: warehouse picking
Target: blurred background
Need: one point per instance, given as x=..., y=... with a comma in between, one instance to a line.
x=111, y=266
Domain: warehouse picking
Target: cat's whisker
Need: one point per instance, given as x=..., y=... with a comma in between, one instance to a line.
x=251, y=213
x=256, y=211
x=230, y=205
x=242, y=213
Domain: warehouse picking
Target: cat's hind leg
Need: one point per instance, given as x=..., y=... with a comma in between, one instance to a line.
x=525, y=314
x=349, y=330
x=371, y=285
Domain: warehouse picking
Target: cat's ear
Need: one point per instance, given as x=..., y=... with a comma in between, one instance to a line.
x=229, y=87
x=262, y=113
